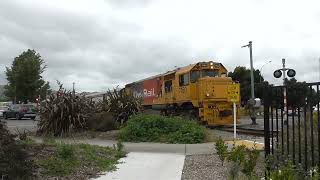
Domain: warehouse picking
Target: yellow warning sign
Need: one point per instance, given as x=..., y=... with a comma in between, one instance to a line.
x=233, y=93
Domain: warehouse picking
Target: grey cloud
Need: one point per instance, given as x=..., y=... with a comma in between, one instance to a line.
x=99, y=50
x=130, y=3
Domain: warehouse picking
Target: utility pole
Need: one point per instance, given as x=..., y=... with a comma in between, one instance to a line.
x=251, y=70
x=73, y=90
x=252, y=101
x=319, y=69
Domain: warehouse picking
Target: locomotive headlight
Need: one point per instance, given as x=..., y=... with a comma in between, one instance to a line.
x=211, y=67
x=211, y=63
x=207, y=94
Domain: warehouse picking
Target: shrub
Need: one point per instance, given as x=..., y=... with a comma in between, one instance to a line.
x=250, y=163
x=121, y=105
x=103, y=121
x=14, y=163
x=285, y=172
x=156, y=128
x=242, y=158
x=222, y=149
x=64, y=111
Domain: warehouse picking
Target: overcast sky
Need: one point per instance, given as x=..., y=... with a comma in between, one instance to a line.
x=101, y=44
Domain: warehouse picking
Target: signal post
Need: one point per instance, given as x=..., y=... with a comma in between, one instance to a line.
x=277, y=74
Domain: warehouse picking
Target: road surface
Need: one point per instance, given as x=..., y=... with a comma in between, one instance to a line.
x=21, y=125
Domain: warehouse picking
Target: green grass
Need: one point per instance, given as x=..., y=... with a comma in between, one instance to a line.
x=48, y=140
x=55, y=166
x=69, y=158
x=27, y=141
x=66, y=159
x=155, y=128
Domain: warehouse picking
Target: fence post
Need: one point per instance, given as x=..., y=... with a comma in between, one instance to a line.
x=267, y=104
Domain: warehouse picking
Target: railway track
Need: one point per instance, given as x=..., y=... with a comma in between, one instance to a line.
x=247, y=131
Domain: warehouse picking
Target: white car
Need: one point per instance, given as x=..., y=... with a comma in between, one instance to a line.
x=2, y=109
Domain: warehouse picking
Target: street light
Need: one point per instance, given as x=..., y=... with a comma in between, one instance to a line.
x=262, y=67
x=253, y=114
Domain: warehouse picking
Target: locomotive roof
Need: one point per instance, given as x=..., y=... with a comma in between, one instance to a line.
x=180, y=70
x=185, y=69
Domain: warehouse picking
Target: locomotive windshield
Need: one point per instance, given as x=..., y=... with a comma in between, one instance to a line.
x=210, y=73
x=194, y=76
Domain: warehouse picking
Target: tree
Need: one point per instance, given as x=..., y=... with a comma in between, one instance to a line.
x=299, y=93
x=24, y=78
x=242, y=75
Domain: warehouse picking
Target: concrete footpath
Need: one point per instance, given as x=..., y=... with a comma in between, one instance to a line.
x=185, y=149
x=147, y=166
x=154, y=161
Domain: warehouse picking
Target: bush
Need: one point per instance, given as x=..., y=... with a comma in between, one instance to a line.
x=242, y=158
x=156, y=128
x=103, y=121
x=14, y=163
x=222, y=149
x=64, y=111
x=121, y=104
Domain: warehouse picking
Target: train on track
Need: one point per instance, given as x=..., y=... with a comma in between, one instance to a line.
x=198, y=90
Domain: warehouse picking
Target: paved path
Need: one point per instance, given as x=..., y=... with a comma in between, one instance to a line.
x=184, y=149
x=148, y=166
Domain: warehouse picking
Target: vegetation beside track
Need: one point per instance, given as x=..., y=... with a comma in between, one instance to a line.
x=53, y=159
x=156, y=128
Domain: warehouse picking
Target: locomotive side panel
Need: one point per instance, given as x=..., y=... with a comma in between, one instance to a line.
x=152, y=89
x=135, y=89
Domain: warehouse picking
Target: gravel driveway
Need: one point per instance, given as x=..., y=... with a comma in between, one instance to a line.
x=204, y=167
x=209, y=167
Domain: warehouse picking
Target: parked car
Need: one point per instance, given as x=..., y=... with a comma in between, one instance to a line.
x=2, y=109
x=20, y=111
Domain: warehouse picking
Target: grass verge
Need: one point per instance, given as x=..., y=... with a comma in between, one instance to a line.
x=155, y=128
x=72, y=161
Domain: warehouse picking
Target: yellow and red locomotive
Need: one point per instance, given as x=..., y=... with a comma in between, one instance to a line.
x=199, y=89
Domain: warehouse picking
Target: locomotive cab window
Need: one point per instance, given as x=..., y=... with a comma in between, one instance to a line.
x=184, y=79
x=209, y=73
x=194, y=76
x=168, y=86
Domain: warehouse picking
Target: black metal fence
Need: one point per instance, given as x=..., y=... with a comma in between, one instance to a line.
x=292, y=128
